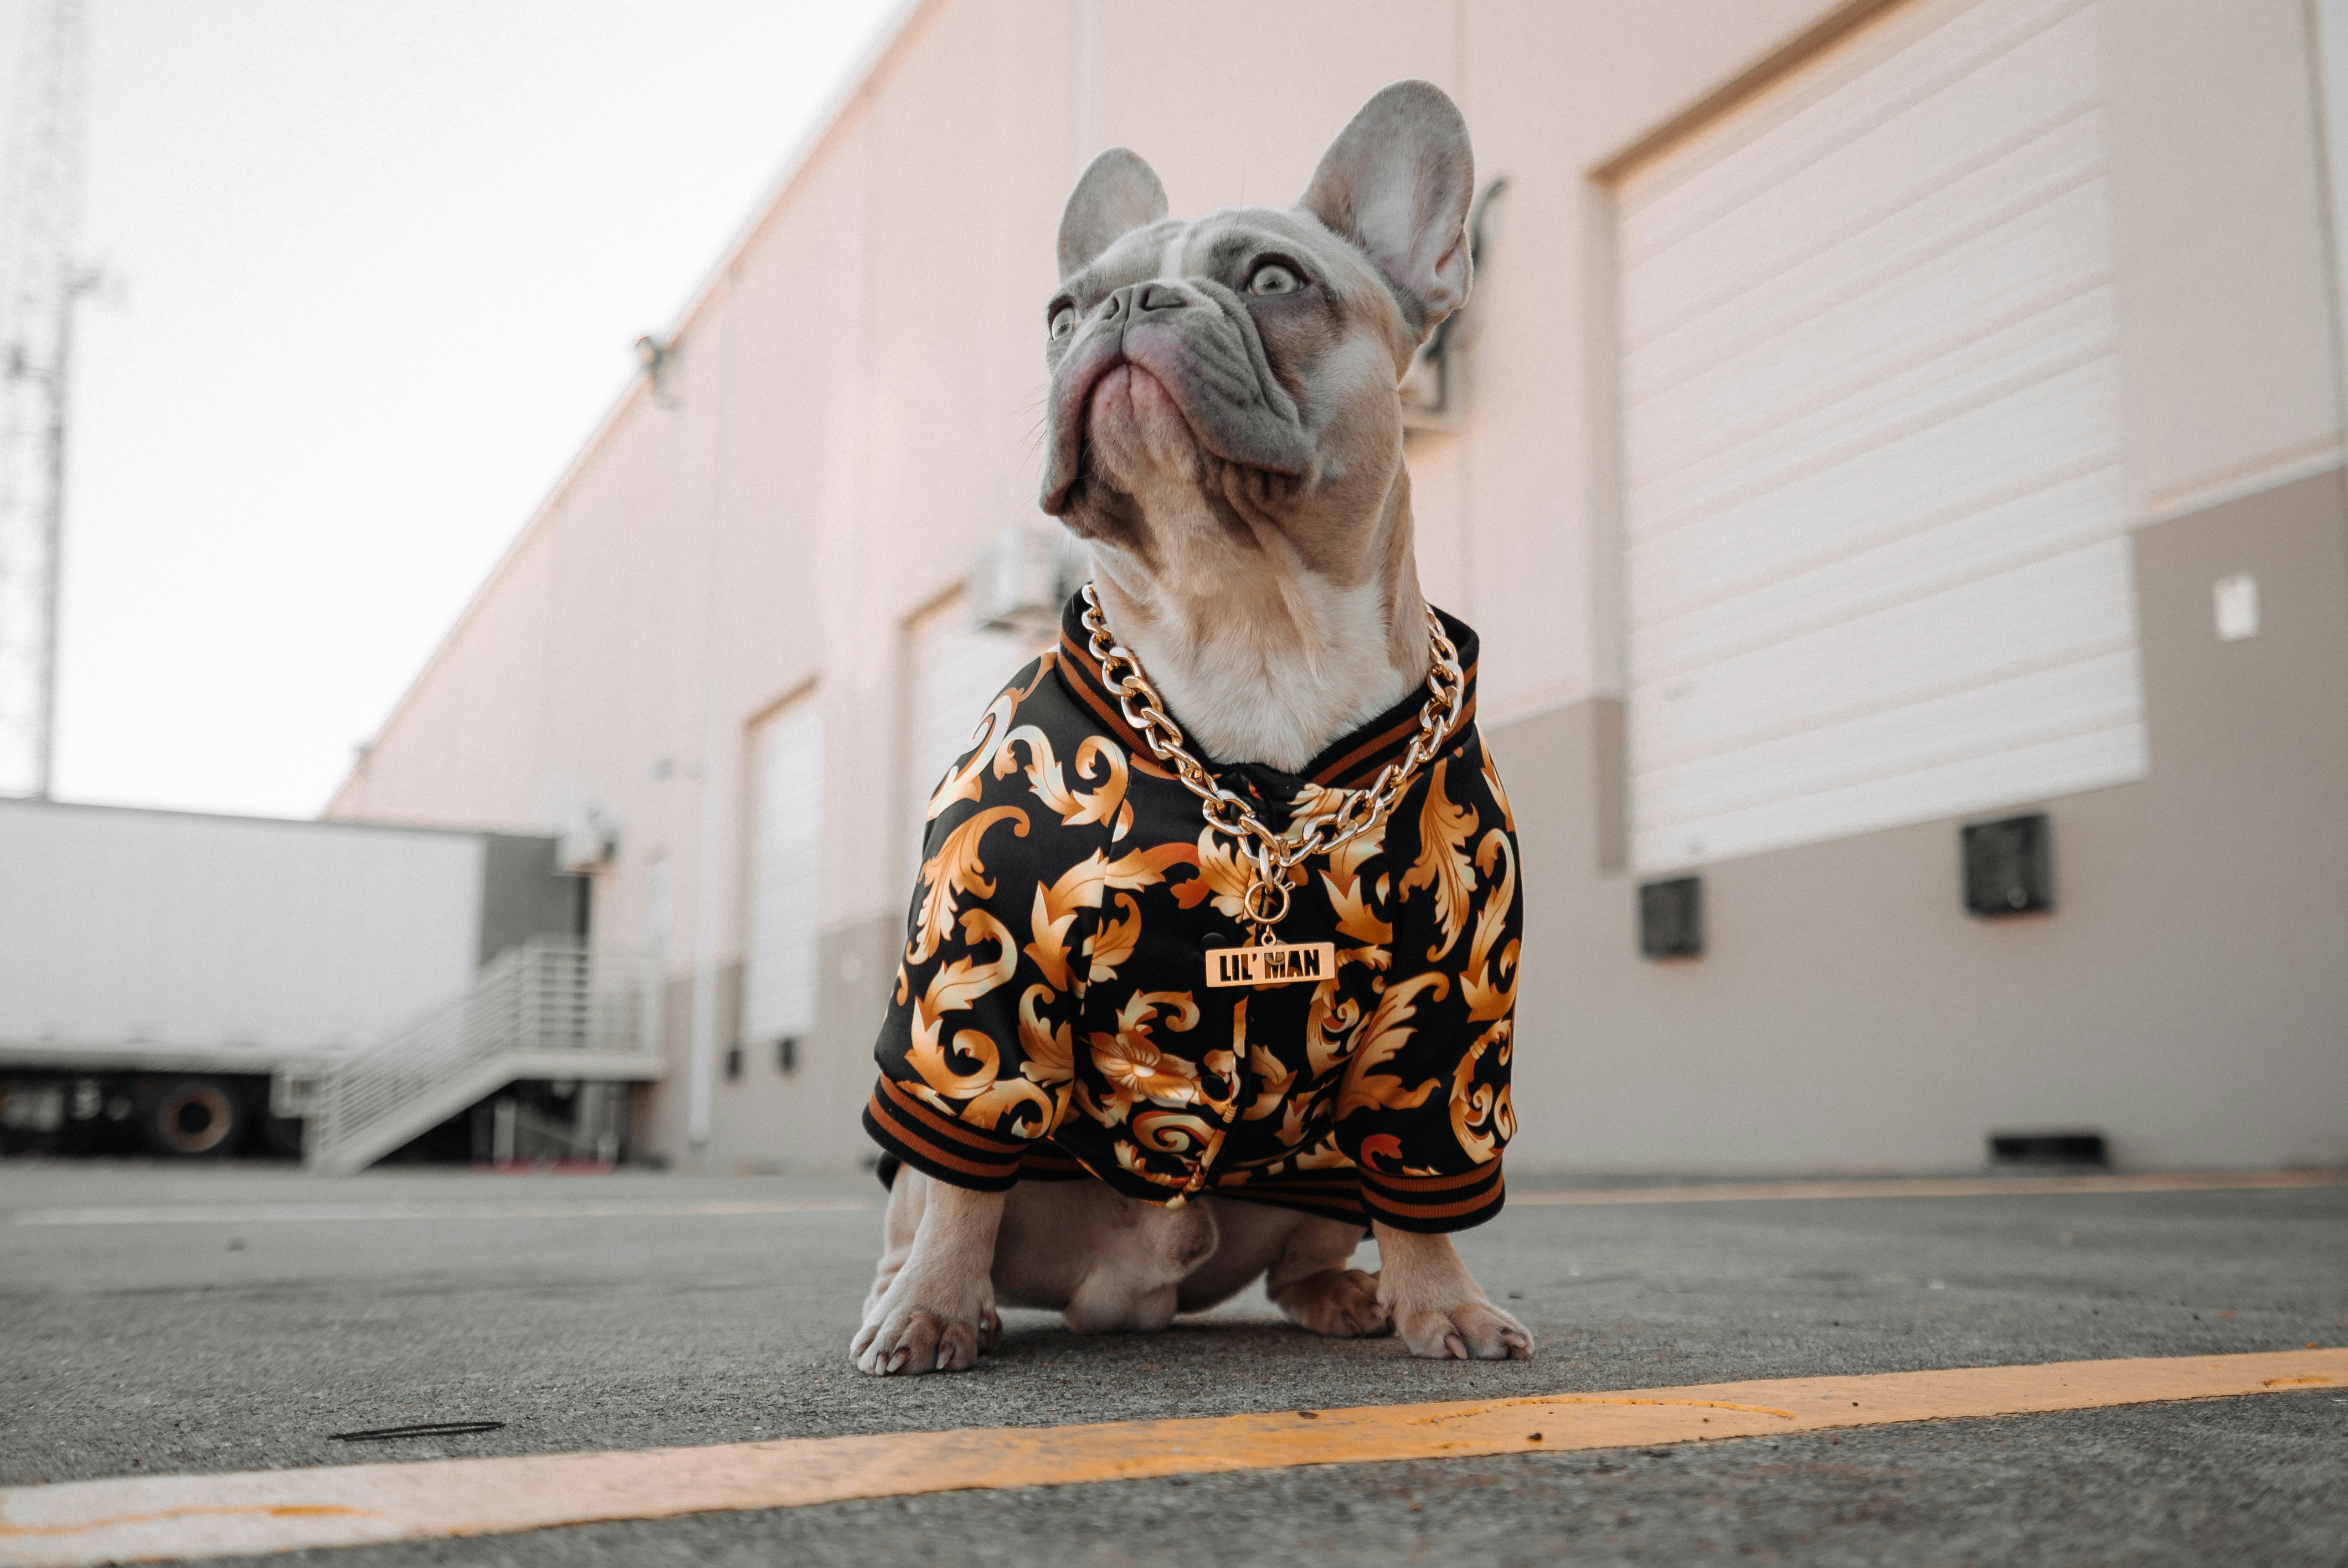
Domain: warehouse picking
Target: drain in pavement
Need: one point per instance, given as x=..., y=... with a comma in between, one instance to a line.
x=428, y=1429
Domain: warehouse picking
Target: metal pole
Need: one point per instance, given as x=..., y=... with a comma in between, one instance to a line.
x=37, y=219
x=53, y=529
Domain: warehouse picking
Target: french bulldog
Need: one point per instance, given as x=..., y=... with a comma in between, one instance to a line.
x=1224, y=430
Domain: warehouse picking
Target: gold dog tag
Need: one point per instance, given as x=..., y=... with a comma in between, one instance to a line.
x=1271, y=964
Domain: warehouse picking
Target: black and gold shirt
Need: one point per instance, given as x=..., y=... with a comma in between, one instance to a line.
x=1051, y=1016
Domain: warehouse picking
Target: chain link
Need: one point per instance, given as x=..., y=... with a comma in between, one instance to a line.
x=1355, y=813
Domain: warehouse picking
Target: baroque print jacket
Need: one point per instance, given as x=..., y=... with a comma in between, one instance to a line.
x=1051, y=1016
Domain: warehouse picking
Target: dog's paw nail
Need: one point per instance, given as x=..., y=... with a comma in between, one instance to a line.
x=897, y=1361
x=1455, y=1347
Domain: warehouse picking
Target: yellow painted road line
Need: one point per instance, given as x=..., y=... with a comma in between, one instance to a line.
x=162, y=1518
x=1939, y=1188
x=342, y=1214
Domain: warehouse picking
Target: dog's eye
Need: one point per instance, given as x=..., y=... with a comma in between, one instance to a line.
x=1273, y=278
x=1064, y=320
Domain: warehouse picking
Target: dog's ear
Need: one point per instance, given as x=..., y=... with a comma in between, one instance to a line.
x=1398, y=182
x=1117, y=194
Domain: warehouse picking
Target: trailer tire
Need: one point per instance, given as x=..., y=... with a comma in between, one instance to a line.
x=194, y=1119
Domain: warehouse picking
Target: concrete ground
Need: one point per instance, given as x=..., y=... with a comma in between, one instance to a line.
x=219, y=1339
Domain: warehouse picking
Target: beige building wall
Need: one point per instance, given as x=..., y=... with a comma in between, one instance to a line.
x=850, y=414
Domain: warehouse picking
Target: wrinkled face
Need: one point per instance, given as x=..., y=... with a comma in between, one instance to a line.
x=1248, y=359
x=1233, y=380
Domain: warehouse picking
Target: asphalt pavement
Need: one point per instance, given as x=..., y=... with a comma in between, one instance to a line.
x=174, y=1320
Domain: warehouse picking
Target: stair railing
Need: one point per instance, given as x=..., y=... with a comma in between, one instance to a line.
x=549, y=996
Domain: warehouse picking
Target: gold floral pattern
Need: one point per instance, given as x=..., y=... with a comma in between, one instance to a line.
x=1442, y=866
x=1051, y=1016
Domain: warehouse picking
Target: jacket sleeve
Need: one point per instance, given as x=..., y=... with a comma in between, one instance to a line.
x=1424, y=1111
x=975, y=1058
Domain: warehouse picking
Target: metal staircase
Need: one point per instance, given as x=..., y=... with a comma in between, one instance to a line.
x=548, y=1008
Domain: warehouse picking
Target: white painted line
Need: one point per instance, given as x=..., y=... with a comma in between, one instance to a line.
x=1707, y=1193
x=1937, y=1187
x=348, y=1214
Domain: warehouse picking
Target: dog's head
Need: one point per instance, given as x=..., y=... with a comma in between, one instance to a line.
x=1239, y=373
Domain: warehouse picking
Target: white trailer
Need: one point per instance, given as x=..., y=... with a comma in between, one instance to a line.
x=160, y=970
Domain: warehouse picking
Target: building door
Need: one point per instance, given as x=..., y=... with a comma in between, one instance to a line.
x=1875, y=552
x=779, y=956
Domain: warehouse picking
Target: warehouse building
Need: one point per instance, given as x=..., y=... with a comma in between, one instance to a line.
x=1872, y=423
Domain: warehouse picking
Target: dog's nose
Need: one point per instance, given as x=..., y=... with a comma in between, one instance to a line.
x=1142, y=298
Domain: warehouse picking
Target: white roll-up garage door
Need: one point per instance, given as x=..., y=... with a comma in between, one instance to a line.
x=785, y=867
x=1874, y=550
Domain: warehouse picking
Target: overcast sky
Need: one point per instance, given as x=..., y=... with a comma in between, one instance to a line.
x=382, y=263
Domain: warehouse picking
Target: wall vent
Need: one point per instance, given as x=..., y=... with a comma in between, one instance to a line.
x=2059, y=1147
x=1020, y=580
x=1670, y=917
x=2010, y=866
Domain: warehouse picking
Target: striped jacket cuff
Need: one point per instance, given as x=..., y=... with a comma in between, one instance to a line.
x=937, y=1145
x=1332, y=1194
x=1434, y=1204
x=1044, y=1163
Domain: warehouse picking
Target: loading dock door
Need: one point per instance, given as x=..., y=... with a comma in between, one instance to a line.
x=787, y=838
x=1874, y=519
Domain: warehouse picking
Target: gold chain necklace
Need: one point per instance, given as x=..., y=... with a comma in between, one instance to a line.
x=1271, y=856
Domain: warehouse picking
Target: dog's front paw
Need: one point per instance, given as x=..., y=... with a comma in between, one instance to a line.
x=1471, y=1331
x=904, y=1339
x=1341, y=1303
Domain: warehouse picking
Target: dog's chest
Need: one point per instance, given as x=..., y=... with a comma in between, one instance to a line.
x=1257, y=692
x=1059, y=977
x=1177, y=1064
